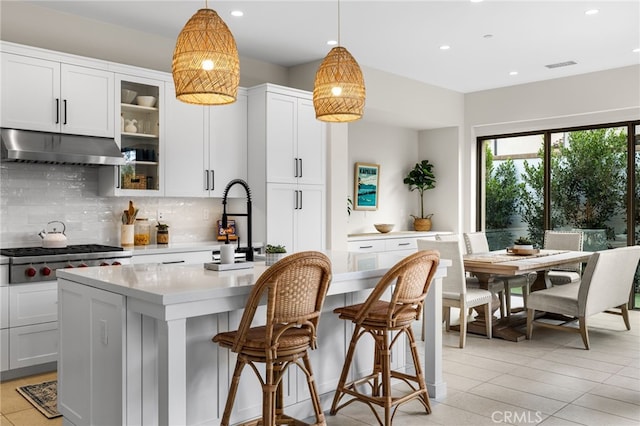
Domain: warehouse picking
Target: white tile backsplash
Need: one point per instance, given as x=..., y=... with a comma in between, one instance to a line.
x=33, y=194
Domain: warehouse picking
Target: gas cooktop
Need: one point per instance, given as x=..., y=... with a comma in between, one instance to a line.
x=72, y=249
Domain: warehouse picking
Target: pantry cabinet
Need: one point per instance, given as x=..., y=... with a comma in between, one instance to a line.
x=50, y=96
x=206, y=146
x=287, y=168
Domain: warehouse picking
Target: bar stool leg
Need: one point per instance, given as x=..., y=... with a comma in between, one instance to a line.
x=345, y=370
x=315, y=398
x=235, y=381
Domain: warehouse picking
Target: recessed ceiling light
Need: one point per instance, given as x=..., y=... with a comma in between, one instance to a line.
x=592, y=12
x=513, y=73
x=237, y=13
x=636, y=50
x=476, y=1
x=332, y=42
x=445, y=47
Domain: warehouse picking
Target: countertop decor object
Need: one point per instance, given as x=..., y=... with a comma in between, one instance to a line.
x=421, y=178
x=273, y=253
x=338, y=90
x=206, y=66
x=384, y=227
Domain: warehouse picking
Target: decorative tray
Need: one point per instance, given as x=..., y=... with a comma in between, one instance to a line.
x=522, y=252
x=217, y=266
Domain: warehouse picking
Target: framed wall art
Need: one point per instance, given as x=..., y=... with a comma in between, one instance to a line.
x=366, y=186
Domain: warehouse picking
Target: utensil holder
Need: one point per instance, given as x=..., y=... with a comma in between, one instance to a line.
x=126, y=235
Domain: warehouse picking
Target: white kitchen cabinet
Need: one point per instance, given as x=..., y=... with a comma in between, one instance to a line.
x=399, y=242
x=33, y=344
x=4, y=349
x=287, y=168
x=206, y=147
x=33, y=303
x=140, y=139
x=92, y=338
x=296, y=216
x=4, y=307
x=49, y=96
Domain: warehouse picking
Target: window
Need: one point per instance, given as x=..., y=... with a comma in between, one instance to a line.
x=564, y=179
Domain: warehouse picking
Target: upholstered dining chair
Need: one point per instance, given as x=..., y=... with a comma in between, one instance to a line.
x=564, y=240
x=295, y=288
x=455, y=293
x=409, y=280
x=605, y=284
x=476, y=242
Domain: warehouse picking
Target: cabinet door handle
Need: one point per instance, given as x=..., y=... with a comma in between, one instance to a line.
x=57, y=110
x=300, y=200
x=65, y=111
x=295, y=199
x=300, y=174
x=295, y=167
x=117, y=172
x=206, y=180
x=213, y=179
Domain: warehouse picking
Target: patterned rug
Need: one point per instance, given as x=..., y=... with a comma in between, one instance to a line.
x=43, y=396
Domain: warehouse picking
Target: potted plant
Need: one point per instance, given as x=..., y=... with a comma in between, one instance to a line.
x=274, y=253
x=523, y=243
x=421, y=178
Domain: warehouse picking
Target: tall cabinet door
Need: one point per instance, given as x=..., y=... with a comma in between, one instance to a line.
x=282, y=112
x=30, y=93
x=228, y=146
x=187, y=164
x=310, y=145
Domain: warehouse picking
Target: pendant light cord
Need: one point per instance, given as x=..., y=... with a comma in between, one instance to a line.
x=339, y=23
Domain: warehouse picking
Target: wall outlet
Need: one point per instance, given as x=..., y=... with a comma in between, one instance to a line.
x=205, y=214
x=160, y=215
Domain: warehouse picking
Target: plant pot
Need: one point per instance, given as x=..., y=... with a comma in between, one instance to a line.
x=272, y=258
x=422, y=224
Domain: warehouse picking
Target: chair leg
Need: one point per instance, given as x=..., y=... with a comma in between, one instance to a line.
x=345, y=370
x=625, y=315
x=507, y=298
x=488, y=324
x=447, y=319
x=233, y=389
x=424, y=396
x=502, y=304
x=384, y=358
x=531, y=313
x=315, y=398
x=584, y=332
x=463, y=326
x=269, y=396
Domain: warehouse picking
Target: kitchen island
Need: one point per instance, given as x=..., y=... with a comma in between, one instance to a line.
x=135, y=341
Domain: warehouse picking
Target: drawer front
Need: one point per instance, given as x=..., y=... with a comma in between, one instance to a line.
x=401, y=244
x=33, y=303
x=366, y=246
x=33, y=345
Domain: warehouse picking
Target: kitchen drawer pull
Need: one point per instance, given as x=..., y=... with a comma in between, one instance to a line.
x=365, y=247
x=65, y=111
x=403, y=244
x=169, y=262
x=57, y=110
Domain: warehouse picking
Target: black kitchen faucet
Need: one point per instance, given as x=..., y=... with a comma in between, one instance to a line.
x=249, y=249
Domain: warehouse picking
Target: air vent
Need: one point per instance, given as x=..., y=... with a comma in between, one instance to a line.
x=561, y=64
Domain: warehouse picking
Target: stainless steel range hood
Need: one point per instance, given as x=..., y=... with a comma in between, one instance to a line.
x=58, y=148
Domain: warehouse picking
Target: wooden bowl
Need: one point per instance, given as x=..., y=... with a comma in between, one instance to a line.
x=384, y=227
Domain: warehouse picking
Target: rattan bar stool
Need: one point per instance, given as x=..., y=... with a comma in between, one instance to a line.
x=295, y=289
x=410, y=279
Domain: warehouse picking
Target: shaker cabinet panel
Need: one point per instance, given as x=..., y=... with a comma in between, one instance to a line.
x=281, y=138
x=311, y=145
x=49, y=96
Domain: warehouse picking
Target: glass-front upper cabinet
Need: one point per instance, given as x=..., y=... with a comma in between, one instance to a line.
x=140, y=127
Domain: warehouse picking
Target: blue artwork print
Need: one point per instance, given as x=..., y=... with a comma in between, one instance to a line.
x=367, y=186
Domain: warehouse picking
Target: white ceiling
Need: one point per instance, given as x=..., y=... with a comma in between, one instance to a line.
x=488, y=39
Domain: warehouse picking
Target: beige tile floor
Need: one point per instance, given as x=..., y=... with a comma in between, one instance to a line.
x=549, y=380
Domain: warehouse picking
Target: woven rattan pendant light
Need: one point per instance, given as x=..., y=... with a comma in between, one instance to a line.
x=206, y=68
x=338, y=89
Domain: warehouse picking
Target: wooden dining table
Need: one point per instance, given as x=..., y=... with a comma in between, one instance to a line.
x=534, y=264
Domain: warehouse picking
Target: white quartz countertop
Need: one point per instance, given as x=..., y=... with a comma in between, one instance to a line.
x=163, y=284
